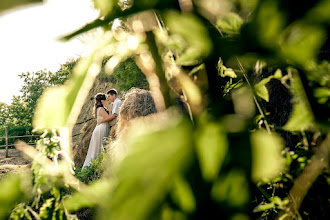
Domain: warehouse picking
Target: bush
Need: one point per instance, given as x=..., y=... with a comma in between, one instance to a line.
x=126, y=76
x=93, y=172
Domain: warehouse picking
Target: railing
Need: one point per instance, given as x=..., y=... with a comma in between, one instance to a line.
x=22, y=136
x=11, y=145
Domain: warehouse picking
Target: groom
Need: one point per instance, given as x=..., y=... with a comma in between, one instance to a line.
x=115, y=103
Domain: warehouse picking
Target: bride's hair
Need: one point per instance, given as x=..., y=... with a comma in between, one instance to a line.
x=98, y=103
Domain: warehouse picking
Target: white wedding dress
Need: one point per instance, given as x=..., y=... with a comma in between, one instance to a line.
x=95, y=145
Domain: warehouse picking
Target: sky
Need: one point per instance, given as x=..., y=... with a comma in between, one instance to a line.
x=29, y=39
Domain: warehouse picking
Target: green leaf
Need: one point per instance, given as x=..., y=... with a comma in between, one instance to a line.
x=275, y=202
x=262, y=90
x=301, y=42
x=147, y=172
x=94, y=24
x=278, y=74
x=47, y=209
x=6, y=5
x=105, y=6
x=231, y=189
x=20, y=212
x=320, y=12
x=89, y=196
x=182, y=194
x=301, y=117
x=322, y=94
x=212, y=145
x=145, y=5
x=267, y=161
x=225, y=71
x=230, y=23
x=192, y=30
x=56, y=105
x=267, y=24
x=14, y=189
x=264, y=207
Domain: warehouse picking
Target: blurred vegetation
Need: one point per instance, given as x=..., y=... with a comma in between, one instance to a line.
x=253, y=142
x=122, y=80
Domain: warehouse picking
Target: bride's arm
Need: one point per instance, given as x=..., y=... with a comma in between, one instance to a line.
x=107, y=118
x=103, y=114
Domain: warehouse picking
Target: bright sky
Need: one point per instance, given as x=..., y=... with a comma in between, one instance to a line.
x=28, y=40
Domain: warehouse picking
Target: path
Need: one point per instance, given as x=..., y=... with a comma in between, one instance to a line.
x=14, y=162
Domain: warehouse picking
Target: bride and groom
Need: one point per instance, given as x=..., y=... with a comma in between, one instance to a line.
x=105, y=120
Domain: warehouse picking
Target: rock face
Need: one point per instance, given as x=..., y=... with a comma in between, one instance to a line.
x=82, y=131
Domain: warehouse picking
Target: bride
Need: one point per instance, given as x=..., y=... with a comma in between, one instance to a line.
x=100, y=131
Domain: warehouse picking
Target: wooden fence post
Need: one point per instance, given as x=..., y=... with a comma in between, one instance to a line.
x=6, y=137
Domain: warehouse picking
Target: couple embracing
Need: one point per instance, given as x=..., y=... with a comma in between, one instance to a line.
x=105, y=120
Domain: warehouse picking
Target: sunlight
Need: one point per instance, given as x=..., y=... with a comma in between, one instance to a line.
x=132, y=42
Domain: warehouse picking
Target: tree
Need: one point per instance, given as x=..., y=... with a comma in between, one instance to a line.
x=124, y=81
x=36, y=82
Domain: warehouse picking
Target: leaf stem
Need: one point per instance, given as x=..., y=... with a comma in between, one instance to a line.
x=261, y=111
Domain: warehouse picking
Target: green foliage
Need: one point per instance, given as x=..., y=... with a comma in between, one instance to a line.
x=194, y=48
x=228, y=160
x=211, y=158
x=14, y=189
x=260, y=87
x=126, y=76
x=230, y=23
x=48, y=183
x=92, y=172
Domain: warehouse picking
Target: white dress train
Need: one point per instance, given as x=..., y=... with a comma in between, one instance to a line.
x=95, y=145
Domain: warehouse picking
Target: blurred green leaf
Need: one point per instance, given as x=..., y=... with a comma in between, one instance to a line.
x=320, y=13
x=183, y=195
x=94, y=24
x=230, y=23
x=77, y=201
x=268, y=24
x=301, y=117
x=96, y=193
x=192, y=30
x=231, y=189
x=14, y=189
x=319, y=72
x=144, y=5
x=243, y=104
x=6, y=5
x=148, y=171
x=105, y=6
x=301, y=42
x=322, y=94
x=267, y=161
x=56, y=104
x=212, y=145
